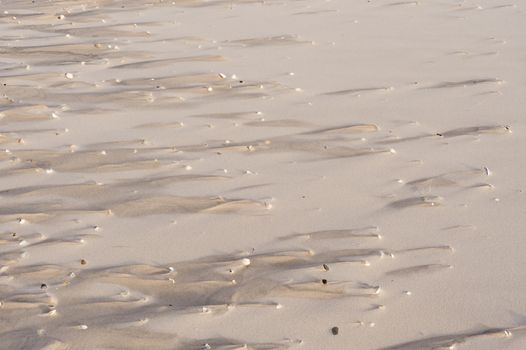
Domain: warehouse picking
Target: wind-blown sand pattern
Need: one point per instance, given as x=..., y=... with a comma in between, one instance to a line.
x=246, y=174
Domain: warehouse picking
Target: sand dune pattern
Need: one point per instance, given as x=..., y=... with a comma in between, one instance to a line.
x=76, y=306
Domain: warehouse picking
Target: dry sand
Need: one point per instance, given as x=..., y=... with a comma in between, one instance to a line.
x=213, y=174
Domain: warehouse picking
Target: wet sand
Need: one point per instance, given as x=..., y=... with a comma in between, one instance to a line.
x=248, y=174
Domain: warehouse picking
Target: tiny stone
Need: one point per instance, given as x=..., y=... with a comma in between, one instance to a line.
x=324, y=281
x=43, y=286
x=326, y=267
x=335, y=330
x=83, y=262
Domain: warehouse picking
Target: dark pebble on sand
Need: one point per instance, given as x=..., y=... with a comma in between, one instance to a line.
x=335, y=330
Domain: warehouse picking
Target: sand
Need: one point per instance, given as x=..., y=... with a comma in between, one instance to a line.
x=246, y=174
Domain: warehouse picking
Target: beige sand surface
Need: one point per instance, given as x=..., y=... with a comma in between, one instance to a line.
x=243, y=174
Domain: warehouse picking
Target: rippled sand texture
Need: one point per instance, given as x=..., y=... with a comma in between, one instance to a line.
x=244, y=174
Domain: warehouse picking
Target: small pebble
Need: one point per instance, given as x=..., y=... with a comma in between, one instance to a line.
x=335, y=330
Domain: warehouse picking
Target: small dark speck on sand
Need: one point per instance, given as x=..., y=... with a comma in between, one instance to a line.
x=335, y=330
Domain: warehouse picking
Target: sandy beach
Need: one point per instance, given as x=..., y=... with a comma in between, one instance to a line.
x=244, y=174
